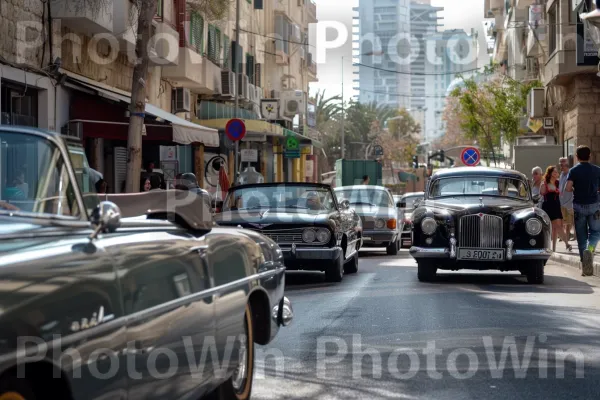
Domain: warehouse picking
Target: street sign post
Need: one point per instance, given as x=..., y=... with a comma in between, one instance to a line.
x=292, y=146
x=470, y=156
x=235, y=129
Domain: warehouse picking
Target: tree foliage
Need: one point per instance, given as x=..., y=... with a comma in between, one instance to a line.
x=454, y=135
x=403, y=125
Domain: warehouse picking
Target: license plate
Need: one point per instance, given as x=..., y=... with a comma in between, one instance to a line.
x=481, y=254
x=366, y=238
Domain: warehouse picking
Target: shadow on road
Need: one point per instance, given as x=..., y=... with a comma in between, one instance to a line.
x=515, y=283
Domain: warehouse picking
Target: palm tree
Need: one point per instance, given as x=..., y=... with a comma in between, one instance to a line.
x=326, y=108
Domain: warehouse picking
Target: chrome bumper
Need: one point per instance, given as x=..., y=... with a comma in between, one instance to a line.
x=450, y=253
x=378, y=236
x=283, y=313
x=300, y=253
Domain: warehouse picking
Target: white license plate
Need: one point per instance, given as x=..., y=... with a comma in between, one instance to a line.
x=366, y=238
x=481, y=254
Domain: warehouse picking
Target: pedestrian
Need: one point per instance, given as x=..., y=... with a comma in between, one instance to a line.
x=551, y=205
x=536, y=178
x=101, y=186
x=366, y=179
x=566, y=198
x=584, y=181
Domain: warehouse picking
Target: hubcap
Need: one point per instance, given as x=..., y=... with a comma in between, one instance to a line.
x=239, y=375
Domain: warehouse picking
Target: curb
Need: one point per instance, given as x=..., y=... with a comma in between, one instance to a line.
x=573, y=261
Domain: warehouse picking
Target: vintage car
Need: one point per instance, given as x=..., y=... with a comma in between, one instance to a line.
x=408, y=202
x=100, y=302
x=313, y=230
x=481, y=219
x=382, y=221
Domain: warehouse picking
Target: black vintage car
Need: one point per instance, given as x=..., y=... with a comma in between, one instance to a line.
x=106, y=301
x=480, y=218
x=314, y=232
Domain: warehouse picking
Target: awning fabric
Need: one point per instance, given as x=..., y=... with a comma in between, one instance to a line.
x=184, y=132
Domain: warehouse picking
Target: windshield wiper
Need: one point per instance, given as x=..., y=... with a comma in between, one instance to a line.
x=293, y=206
x=362, y=202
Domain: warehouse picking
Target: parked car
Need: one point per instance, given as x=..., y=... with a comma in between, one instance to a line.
x=314, y=231
x=481, y=219
x=408, y=203
x=382, y=221
x=136, y=290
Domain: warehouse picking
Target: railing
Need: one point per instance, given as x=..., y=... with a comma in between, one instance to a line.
x=17, y=119
x=213, y=110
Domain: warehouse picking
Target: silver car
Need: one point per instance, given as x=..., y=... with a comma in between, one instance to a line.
x=408, y=203
x=382, y=221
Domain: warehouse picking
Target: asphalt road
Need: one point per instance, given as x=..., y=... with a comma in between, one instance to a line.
x=368, y=337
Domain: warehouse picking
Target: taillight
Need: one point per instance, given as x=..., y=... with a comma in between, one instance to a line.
x=218, y=210
x=391, y=224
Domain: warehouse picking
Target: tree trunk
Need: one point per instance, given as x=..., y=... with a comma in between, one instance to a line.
x=147, y=10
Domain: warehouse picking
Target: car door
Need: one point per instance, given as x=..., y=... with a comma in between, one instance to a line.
x=62, y=289
x=168, y=300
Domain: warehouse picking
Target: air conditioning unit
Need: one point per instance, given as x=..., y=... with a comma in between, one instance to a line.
x=243, y=83
x=182, y=98
x=228, y=83
x=74, y=129
x=252, y=93
x=293, y=102
x=535, y=102
x=259, y=95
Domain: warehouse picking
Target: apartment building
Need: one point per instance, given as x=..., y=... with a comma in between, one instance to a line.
x=547, y=41
x=73, y=73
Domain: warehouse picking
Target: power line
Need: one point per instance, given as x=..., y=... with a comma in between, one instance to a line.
x=417, y=73
x=276, y=38
x=430, y=96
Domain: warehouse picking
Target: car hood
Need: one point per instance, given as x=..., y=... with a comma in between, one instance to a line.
x=374, y=211
x=472, y=205
x=263, y=217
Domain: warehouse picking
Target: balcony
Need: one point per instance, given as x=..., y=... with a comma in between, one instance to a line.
x=312, y=12
x=166, y=44
x=562, y=67
x=213, y=110
x=281, y=58
x=195, y=72
x=312, y=71
x=125, y=23
x=80, y=17
x=522, y=4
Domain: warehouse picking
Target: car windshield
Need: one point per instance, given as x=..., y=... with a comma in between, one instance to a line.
x=366, y=197
x=479, y=186
x=288, y=196
x=34, y=178
x=411, y=200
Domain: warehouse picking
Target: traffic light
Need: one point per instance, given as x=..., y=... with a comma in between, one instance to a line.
x=415, y=162
x=442, y=156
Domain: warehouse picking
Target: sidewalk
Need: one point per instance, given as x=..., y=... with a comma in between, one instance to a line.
x=571, y=259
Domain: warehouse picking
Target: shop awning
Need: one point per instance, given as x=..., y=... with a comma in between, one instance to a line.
x=184, y=132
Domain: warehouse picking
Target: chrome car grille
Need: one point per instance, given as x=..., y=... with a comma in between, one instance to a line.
x=480, y=232
x=284, y=236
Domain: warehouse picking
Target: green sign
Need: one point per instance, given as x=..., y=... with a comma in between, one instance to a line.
x=292, y=145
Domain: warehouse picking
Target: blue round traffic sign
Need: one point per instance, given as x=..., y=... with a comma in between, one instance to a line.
x=235, y=129
x=470, y=156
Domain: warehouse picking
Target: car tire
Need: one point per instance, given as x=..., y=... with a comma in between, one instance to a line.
x=426, y=271
x=13, y=388
x=239, y=387
x=352, y=266
x=335, y=272
x=535, y=273
x=393, y=249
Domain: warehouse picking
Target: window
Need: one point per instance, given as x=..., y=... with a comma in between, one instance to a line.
x=226, y=52
x=282, y=31
x=552, y=28
x=258, y=75
x=214, y=44
x=159, y=8
x=197, y=32
x=250, y=68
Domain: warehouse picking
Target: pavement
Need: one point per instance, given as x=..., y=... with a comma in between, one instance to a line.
x=571, y=258
x=382, y=334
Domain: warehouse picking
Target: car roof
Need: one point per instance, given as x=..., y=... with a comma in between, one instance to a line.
x=357, y=187
x=413, y=194
x=30, y=130
x=481, y=171
x=275, y=184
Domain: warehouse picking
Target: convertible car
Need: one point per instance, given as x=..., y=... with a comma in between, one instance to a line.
x=480, y=218
x=313, y=230
x=107, y=301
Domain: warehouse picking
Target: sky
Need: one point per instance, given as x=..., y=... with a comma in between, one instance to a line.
x=462, y=14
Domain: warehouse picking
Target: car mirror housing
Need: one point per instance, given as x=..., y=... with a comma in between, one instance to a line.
x=345, y=204
x=106, y=217
x=536, y=198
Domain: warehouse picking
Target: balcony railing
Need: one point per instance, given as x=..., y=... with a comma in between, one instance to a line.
x=213, y=110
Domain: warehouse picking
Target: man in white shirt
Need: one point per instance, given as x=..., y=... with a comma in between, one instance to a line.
x=566, y=198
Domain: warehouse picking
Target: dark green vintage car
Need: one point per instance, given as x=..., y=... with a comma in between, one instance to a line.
x=139, y=297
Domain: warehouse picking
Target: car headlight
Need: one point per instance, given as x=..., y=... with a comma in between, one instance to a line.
x=533, y=226
x=323, y=235
x=380, y=223
x=428, y=226
x=309, y=235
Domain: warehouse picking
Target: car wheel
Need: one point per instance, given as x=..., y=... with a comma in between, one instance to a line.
x=13, y=388
x=535, y=273
x=335, y=272
x=352, y=266
x=393, y=249
x=426, y=271
x=239, y=386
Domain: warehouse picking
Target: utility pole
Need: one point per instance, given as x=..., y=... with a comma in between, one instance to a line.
x=236, y=70
x=343, y=118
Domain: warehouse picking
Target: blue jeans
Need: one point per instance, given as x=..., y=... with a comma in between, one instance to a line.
x=587, y=225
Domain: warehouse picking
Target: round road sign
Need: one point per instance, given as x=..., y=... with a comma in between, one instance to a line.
x=235, y=129
x=470, y=156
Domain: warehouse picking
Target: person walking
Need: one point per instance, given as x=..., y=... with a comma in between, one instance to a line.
x=366, y=179
x=566, y=198
x=584, y=181
x=551, y=205
x=536, y=183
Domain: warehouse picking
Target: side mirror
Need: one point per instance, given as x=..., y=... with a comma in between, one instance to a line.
x=218, y=206
x=401, y=204
x=106, y=217
x=345, y=204
x=536, y=198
